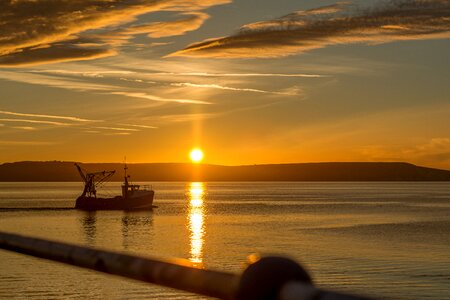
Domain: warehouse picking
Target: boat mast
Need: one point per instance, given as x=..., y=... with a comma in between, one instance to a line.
x=125, y=168
x=125, y=181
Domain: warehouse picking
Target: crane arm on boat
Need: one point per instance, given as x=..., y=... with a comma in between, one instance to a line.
x=93, y=180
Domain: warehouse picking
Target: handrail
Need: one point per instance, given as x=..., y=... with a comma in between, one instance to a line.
x=268, y=278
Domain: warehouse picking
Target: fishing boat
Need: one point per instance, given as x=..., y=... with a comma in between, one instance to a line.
x=134, y=197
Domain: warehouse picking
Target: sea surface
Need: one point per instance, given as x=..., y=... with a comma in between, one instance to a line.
x=390, y=240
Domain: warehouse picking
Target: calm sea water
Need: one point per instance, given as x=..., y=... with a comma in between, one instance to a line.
x=383, y=239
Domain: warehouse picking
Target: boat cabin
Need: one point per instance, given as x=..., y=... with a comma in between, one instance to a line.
x=128, y=190
x=133, y=190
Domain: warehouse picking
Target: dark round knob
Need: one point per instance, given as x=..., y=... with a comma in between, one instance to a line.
x=264, y=279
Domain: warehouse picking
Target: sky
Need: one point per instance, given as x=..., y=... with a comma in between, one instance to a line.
x=247, y=81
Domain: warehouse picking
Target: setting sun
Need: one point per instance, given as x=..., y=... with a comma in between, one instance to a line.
x=196, y=155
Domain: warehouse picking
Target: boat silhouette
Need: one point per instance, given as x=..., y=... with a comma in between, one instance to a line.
x=134, y=196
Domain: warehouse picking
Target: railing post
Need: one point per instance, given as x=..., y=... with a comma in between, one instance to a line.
x=269, y=278
x=177, y=274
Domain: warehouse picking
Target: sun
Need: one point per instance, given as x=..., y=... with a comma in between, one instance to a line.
x=196, y=155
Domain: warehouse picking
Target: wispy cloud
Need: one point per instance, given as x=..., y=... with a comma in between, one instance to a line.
x=73, y=120
x=156, y=44
x=118, y=133
x=94, y=74
x=433, y=152
x=35, y=122
x=53, y=54
x=158, y=98
x=84, y=123
x=117, y=128
x=107, y=131
x=191, y=22
x=144, y=76
x=52, y=81
x=435, y=145
x=220, y=87
x=337, y=24
x=139, y=126
x=36, y=32
x=136, y=80
x=76, y=119
x=24, y=127
x=79, y=85
x=204, y=74
x=25, y=143
x=180, y=118
x=73, y=80
x=92, y=131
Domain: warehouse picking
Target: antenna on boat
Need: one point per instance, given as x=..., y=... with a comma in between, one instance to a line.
x=125, y=168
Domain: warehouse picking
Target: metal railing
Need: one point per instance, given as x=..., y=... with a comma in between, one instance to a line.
x=267, y=278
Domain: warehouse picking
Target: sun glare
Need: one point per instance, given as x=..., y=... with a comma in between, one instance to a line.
x=196, y=155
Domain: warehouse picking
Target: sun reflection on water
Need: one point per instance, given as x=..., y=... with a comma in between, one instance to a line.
x=196, y=222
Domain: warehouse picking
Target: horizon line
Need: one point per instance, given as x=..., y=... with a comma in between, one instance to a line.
x=222, y=165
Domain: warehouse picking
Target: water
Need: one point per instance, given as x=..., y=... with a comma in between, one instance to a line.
x=383, y=239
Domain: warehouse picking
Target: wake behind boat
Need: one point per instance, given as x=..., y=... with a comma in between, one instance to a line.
x=134, y=197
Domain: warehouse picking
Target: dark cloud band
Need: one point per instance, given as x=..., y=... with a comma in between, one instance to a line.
x=44, y=31
x=331, y=25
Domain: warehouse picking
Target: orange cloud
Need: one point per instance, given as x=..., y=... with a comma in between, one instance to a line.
x=158, y=98
x=337, y=24
x=153, y=30
x=434, y=152
x=173, y=28
x=290, y=92
x=76, y=119
x=41, y=31
x=53, y=54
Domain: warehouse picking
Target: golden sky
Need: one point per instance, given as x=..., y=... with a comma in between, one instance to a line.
x=247, y=81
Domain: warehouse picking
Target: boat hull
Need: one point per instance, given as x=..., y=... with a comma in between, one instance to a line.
x=144, y=202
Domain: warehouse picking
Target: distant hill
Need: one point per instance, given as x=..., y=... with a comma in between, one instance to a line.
x=354, y=171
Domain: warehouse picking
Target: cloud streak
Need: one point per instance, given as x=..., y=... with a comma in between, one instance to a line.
x=102, y=73
x=76, y=119
x=192, y=22
x=119, y=37
x=42, y=31
x=71, y=84
x=433, y=151
x=159, y=99
x=52, y=81
x=227, y=88
x=28, y=128
x=331, y=25
x=204, y=74
x=117, y=128
x=53, y=54
x=93, y=74
x=139, y=126
x=124, y=129
x=35, y=122
x=25, y=143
